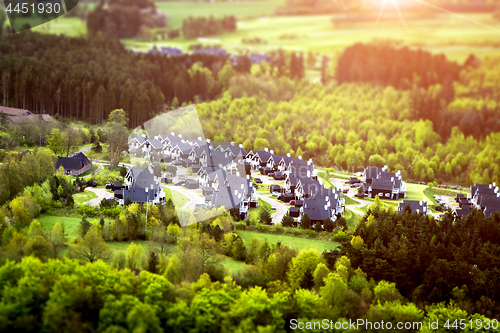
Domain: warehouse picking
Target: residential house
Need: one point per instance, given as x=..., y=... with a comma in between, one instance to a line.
x=414, y=205
x=136, y=143
x=258, y=158
x=326, y=203
x=75, y=165
x=388, y=185
x=19, y=116
x=141, y=187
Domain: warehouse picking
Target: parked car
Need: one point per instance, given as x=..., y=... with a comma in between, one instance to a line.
x=181, y=183
x=113, y=199
x=292, y=202
x=345, y=190
x=280, y=197
x=423, y=183
x=439, y=208
x=275, y=194
x=91, y=184
x=443, y=186
x=271, y=174
x=258, y=180
x=273, y=207
x=108, y=186
x=456, y=187
x=353, y=185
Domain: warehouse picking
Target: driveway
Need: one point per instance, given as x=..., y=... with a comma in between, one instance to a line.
x=101, y=194
x=281, y=208
x=194, y=197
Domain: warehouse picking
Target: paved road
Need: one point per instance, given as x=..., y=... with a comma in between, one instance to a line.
x=194, y=197
x=281, y=208
x=101, y=194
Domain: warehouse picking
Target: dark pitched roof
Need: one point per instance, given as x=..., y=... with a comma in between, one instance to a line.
x=488, y=201
x=84, y=158
x=156, y=144
x=262, y=154
x=462, y=212
x=491, y=210
x=139, y=139
x=69, y=163
x=316, y=209
x=372, y=172
x=224, y=198
x=382, y=184
x=236, y=150
x=73, y=163
x=138, y=194
x=415, y=206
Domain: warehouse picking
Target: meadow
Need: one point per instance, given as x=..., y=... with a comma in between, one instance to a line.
x=445, y=33
x=295, y=243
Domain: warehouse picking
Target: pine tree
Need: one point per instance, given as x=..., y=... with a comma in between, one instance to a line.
x=153, y=263
x=305, y=222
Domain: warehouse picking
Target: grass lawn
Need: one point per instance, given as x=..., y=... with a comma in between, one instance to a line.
x=352, y=219
x=83, y=197
x=122, y=246
x=178, y=198
x=456, y=38
x=296, y=243
x=233, y=266
x=349, y=201
x=70, y=224
x=180, y=10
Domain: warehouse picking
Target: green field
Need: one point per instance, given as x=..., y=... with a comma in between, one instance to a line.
x=70, y=224
x=232, y=265
x=456, y=38
x=178, y=11
x=445, y=33
x=83, y=197
x=178, y=198
x=296, y=243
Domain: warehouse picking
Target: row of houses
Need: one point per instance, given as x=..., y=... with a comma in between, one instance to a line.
x=387, y=185
x=219, y=169
x=301, y=185
x=483, y=197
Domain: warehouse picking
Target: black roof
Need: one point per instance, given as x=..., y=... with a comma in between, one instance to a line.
x=73, y=163
x=316, y=209
x=463, y=212
x=416, y=206
x=138, y=194
x=382, y=184
x=262, y=154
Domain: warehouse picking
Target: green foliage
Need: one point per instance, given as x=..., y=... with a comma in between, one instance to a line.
x=305, y=222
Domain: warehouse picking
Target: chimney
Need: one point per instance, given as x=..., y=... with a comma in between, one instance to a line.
x=199, y=138
x=172, y=133
x=288, y=155
x=241, y=146
x=248, y=176
x=208, y=140
x=308, y=174
x=266, y=149
x=232, y=143
x=180, y=135
x=272, y=152
x=300, y=157
x=144, y=135
x=237, y=173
